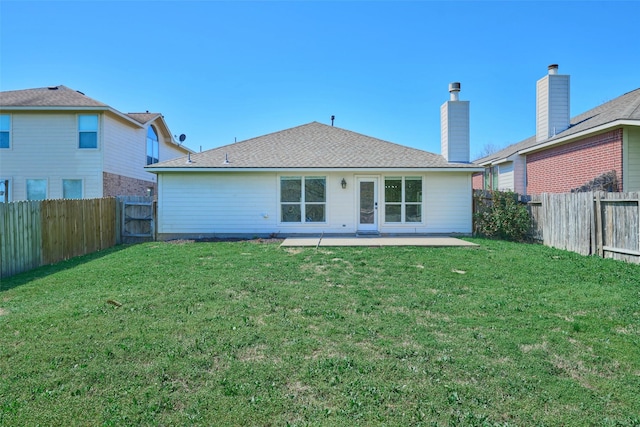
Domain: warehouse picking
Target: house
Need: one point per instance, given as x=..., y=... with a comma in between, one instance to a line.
x=598, y=149
x=317, y=178
x=57, y=143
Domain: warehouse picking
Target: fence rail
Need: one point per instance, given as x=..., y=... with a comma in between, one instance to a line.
x=48, y=231
x=600, y=223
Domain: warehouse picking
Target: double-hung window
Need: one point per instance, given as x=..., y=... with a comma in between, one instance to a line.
x=403, y=199
x=5, y=131
x=303, y=199
x=88, y=130
x=152, y=146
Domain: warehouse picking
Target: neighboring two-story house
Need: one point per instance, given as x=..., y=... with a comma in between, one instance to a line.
x=598, y=149
x=57, y=143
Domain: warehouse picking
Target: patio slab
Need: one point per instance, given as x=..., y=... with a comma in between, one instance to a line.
x=378, y=241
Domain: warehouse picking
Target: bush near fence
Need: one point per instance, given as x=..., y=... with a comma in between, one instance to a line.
x=599, y=223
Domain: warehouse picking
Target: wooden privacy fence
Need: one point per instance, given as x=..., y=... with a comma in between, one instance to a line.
x=48, y=231
x=603, y=224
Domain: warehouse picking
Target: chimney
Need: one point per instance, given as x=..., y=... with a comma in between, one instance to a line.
x=454, y=127
x=552, y=104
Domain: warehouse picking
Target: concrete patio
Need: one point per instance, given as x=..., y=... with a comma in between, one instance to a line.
x=379, y=241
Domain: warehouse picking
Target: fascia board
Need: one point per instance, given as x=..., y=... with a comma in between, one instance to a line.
x=581, y=134
x=71, y=108
x=311, y=170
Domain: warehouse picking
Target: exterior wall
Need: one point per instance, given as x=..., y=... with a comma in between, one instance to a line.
x=119, y=185
x=219, y=203
x=519, y=174
x=45, y=146
x=125, y=149
x=478, y=181
x=449, y=204
x=454, y=131
x=631, y=159
x=505, y=180
x=552, y=105
x=563, y=168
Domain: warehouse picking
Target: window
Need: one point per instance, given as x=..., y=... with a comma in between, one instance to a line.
x=5, y=187
x=152, y=146
x=303, y=197
x=88, y=130
x=72, y=189
x=403, y=199
x=491, y=177
x=36, y=189
x=5, y=131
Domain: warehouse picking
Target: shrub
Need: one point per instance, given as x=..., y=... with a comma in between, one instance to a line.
x=501, y=215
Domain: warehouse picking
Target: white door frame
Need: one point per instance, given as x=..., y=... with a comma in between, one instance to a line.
x=371, y=222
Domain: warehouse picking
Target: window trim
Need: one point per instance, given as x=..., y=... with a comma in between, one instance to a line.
x=8, y=131
x=156, y=146
x=303, y=203
x=97, y=131
x=403, y=203
x=8, y=189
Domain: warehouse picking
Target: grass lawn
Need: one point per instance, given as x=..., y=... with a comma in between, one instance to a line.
x=248, y=333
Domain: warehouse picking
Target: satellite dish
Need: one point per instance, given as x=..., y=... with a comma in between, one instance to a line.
x=182, y=137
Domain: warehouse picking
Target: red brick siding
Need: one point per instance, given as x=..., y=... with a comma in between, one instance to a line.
x=477, y=181
x=118, y=185
x=561, y=169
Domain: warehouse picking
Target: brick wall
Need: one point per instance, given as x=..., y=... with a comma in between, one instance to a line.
x=477, y=181
x=561, y=169
x=118, y=185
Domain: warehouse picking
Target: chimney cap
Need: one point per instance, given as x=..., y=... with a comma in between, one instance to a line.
x=454, y=87
x=553, y=69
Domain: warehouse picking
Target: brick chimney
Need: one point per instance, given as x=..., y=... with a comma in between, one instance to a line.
x=454, y=127
x=552, y=104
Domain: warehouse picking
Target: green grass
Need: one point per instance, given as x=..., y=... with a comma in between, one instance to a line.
x=243, y=333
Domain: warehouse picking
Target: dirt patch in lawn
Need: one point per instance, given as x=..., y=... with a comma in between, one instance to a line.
x=3, y=312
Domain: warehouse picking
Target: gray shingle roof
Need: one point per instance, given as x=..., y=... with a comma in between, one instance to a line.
x=54, y=96
x=313, y=145
x=624, y=107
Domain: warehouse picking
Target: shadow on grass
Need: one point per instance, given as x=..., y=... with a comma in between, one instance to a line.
x=8, y=283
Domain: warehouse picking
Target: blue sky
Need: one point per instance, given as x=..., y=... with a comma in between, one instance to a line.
x=221, y=71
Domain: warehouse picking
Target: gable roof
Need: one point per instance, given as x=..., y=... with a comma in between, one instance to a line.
x=623, y=108
x=53, y=96
x=143, y=118
x=313, y=145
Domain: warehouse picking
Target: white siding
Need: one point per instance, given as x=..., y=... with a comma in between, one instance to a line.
x=201, y=204
x=448, y=203
x=505, y=179
x=631, y=179
x=454, y=131
x=125, y=149
x=552, y=105
x=45, y=146
x=520, y=174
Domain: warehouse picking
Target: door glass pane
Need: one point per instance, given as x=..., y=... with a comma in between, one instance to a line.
x=367, y=203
